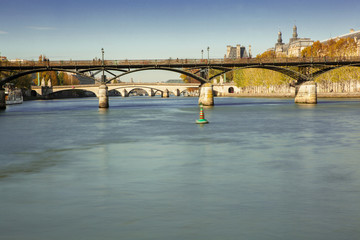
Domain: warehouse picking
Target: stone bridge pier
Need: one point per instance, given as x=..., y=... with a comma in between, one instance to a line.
x=177, y=92
x=2, y=98
x=165, y=94
x=124, y=92
x=151, y=92
x=306, y=93
x=206, y=97
x=103, y=96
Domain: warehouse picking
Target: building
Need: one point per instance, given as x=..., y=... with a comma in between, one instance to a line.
x=175, y=81
x=352, y=34
x=294, y=47
x=237, y=52
x=2, y=58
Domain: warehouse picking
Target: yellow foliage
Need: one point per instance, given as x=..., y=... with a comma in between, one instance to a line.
x=331, y=48
x=340, y=75
x=259, y=77
x=267, y=54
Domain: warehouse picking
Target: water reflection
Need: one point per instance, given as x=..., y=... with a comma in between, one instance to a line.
x=103, y=110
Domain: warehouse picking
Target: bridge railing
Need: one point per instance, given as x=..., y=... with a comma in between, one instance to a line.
x=175, y=62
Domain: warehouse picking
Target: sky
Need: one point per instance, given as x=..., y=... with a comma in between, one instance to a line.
x=160, y=29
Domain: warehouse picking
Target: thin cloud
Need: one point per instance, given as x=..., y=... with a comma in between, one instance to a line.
x=40, y=28
x=3, y=32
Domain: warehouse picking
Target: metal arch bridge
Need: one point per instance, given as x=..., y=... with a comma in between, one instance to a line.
x=300, y=69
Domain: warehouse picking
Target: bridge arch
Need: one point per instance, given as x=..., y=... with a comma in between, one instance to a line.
x=198, y=78
x=151, y=91
x=15, y=76
x=100, y=69
x=328, y=69
x=78, y=91
x=39, y=92
x=288, y=72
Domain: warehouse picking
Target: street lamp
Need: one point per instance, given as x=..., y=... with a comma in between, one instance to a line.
x=208, y=50
x=103, y=65
x=102, y=51
x=202, y=54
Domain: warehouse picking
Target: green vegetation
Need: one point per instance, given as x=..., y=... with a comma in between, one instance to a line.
x=22, y=82
x=56, y=78
x=259, y=77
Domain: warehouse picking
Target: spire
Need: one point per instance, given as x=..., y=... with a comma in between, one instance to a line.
x=279, y=37
x=295, y=35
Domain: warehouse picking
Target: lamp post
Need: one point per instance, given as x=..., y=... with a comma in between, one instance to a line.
x=208, y=50
x=208, y=62
x=202, y=54
x=103, y=66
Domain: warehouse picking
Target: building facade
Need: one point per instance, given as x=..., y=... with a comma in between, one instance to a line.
x=237, y=52
x=294, y=47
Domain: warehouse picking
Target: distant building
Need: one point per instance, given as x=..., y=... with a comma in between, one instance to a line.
x=352, y=34
x=294, y=47
x=237, y=52
x=16, y=60
x=175, y=81
x=83, y=79
x=2, y=58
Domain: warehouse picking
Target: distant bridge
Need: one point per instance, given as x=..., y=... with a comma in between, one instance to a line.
x=164, y=89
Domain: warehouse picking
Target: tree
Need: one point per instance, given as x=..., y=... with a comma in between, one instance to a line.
x=267, y=54
x=188, y=79
x=259, y=77
x=333, y=48
x=23, y=82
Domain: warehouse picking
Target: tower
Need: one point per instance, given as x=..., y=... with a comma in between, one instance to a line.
x=279, y=37
x=279, y=46
x=295, y=35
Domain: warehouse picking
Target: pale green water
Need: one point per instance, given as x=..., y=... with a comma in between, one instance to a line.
x=262, y=169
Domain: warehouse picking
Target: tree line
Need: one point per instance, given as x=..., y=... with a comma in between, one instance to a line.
x=343, y=47
x=56, y=78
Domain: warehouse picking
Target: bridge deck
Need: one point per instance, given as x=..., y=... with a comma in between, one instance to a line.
x=177, y=63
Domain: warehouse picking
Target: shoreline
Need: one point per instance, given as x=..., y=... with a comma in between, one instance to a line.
x=291, y=95
x=244, y=95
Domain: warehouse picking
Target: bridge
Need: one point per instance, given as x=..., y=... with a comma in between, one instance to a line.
x=302, y=70
x=164, y=89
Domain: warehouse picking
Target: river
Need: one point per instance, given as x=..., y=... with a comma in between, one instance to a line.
x=262, y=169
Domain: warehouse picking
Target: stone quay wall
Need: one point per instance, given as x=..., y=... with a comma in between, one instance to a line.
x=346, y=89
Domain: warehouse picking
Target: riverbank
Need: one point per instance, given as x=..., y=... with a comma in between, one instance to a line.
x=292, y=95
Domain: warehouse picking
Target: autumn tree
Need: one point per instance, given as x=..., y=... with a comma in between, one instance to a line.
x=333, y=48
x=267, y=54
x=229, y=76
x=23, y=82
x=259, y=77
x=188, y=79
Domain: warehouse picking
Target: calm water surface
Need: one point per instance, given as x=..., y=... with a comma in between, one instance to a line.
x=262, y=169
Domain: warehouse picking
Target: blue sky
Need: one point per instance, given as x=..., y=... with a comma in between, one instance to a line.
x=153, y=29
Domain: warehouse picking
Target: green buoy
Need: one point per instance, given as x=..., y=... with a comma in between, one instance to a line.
x=202, y=119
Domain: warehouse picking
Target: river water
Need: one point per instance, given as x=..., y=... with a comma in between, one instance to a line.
x=262, y=169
